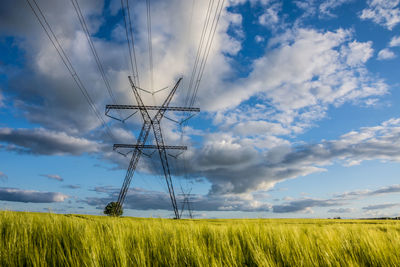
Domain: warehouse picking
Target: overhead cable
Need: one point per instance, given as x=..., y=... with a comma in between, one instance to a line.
x=57, y=45
x=93, y=49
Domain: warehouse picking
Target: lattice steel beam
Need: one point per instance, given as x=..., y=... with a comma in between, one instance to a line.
x=109, y=107
x=148, y=146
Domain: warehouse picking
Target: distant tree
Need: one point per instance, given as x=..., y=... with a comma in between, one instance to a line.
x=113, y=209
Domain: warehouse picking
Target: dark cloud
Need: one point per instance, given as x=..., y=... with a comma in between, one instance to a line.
x=387, y=190
x=141, y=199
x=71, y=186
x=53, y=177
x=45, y=142
x=341, y=210
x=381, y=206
x=233, y=167
x=365, y=193
x=19, y=195
x=229, y=165
x=303, y=205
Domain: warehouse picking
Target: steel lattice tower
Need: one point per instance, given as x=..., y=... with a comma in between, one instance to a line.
x=148, y=124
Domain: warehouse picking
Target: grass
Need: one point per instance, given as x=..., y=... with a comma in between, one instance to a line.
x=40, y=239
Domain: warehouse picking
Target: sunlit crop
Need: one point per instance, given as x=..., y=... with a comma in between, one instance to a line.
x=74, y=240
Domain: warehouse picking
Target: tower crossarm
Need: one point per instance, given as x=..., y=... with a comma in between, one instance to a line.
x=185, y=109
x=148, y=146
x=165, y=105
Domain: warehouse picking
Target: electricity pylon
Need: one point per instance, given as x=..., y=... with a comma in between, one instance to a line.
x=148, y=124
x=186, y=202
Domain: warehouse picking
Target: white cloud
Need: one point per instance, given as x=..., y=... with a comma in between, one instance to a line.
x=301, y=73
x=395, y=41
x=323, y=9
x=270, y=18
x=327, y=6
x=385, y=54
x=259, y=39
x=252, y=128
x=309, y=7
x=358, y=53
x=382, y=12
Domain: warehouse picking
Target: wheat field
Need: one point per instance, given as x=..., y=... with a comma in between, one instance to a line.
x=44, y=239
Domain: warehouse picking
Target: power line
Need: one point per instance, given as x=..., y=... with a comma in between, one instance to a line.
x=199, y=49
x=54, y=40
x=131, y=44
x=208, y=48
x=150, y=42
x=207, y=37
x=93, y=49
x=132, y=41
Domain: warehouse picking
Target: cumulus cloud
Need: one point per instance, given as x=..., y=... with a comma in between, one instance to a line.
x=327, y=6
x=309, y=66
x=53, y=177
x=270, y=17
x=385, y=54
x=322, y=9
x=395, y=41
x=232, y=166
x=358, y=53
x=235, y=166
x=382, y=12
x=19, y=195
x=48, y=89
x=302, y=73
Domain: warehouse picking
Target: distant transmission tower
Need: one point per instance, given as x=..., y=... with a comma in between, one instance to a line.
x=148, y=124
x=186, y=202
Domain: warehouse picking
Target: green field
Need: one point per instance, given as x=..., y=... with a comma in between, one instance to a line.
x=42, y=239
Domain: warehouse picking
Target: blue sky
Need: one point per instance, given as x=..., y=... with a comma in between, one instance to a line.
x=299, y=108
